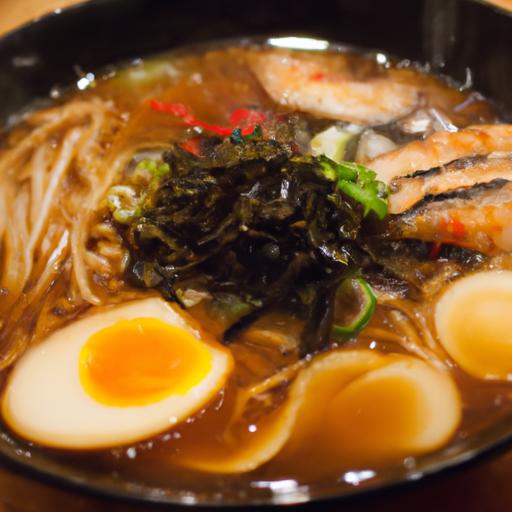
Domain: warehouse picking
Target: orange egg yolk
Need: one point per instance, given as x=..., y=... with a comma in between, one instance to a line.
x=141, y=361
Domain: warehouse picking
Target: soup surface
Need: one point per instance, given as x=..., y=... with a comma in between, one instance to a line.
x=251, y=265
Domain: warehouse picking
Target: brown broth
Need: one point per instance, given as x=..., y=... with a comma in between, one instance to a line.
x=213, y=84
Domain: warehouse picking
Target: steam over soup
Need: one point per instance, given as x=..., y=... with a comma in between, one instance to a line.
x=235, y=260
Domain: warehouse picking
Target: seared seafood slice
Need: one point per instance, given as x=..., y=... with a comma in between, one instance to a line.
x=441, y=148
x=409, y=190
x=479, y=218
x=301, y=82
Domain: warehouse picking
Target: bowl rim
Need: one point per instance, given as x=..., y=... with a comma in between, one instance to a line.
x=149, y=496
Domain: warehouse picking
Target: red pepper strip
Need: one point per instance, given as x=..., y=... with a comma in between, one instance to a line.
x=192, y=145
x=245, y=117
x=435, y=250
x=454, y=226
x=318, y=76
x=457, y=227
x=180, y=110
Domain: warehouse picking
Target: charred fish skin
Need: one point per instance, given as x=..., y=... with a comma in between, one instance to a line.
x=301, y=81
x=440, y=149
x=408, y=265
x=477, y=218
x=464, y=173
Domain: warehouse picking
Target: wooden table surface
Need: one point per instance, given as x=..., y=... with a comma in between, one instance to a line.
x=485, y=487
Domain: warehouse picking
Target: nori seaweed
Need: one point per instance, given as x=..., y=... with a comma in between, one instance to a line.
x=250, y=218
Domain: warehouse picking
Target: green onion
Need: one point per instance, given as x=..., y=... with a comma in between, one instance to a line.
x=359, y=183
x=155, y=169
x=331, y=143
x=366, y=303
x=237, y=136
x=125, y=202
x=368, y=198
x=231, y=306
x=122, y=201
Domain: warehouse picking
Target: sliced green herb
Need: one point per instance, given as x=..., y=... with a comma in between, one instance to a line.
x=126, y=201
x=257, y=133
x=153, y=168
x=237, y=136
x=359, y=183
x=356, y=291
x=122, y=201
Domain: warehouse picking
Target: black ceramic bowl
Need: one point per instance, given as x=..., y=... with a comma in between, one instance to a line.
x=463, y=39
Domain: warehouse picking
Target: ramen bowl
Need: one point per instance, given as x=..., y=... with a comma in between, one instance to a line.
x=465, y=42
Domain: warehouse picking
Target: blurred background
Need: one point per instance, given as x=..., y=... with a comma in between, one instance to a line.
x=16, y=12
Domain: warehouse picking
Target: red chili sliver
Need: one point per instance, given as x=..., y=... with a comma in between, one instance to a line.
x=435, y=250
x=192, y=145
x=176, y=109
x=318, y=76
x=180, y=110
x=457, y=227
x=246, y=117
x=241, y=117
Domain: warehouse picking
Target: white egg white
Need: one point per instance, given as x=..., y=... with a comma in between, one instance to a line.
x=302, y=430
x=474, y=324
x=45, y=402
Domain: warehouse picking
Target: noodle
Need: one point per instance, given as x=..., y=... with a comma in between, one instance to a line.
x=48, y=201
x=43, y=192
x=37, y=172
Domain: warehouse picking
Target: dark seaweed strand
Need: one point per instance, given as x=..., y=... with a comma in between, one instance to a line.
x=251, y=220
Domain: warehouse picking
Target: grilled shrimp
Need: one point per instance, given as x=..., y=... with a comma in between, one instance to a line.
x=441, y=148
x=479, y=218
x=301, y=82
x=466, y=173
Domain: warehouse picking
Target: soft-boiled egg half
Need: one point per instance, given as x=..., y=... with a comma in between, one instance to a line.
x=474, y=324
x=347, y=408
x=117, y=376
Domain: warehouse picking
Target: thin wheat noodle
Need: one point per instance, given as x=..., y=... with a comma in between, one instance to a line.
x=97, y=262
x=109, y=170
x=3, y=208
x=15, y=243
x=52, y=267
x=19, y=341
x=60, y=167
x=42, y=133
x=258, y=390
x=46, y=178
x=38, y=168
x=412, y=342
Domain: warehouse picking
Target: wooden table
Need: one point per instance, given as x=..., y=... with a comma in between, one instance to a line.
x=485, y=487
x=16, y=12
